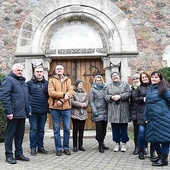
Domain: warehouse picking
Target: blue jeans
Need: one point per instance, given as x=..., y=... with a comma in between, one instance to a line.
x=161, y=147
x=141, y=136
x=37, y=124
x=64, y=116
x=120, y=132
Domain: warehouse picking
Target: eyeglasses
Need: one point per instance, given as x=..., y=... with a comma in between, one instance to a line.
x=98, y=80
x=20, y=70
x=135, y=78
x=59, y=68
x=115, y=75
x=39, y=71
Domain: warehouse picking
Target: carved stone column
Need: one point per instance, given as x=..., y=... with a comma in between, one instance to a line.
x=116, y=63
x=30, y=63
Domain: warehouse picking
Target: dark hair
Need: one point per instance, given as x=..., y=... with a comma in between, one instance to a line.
x=147, y=74
x=163, y=85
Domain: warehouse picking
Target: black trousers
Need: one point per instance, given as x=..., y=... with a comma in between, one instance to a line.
x=78, y=128
x=101, y=131
x=135, y=132
x=15, y=130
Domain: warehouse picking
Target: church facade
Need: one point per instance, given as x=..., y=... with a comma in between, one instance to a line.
x=88, y=37
x=125, y=36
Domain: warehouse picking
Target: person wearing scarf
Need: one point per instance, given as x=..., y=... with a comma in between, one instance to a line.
x=99, y=109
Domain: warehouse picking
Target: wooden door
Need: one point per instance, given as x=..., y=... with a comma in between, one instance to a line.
x=84, y=69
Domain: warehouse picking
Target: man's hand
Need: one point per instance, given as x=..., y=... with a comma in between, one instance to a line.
x=59, y=103
x=10, y=116
x=83, y=106
x=66, y=97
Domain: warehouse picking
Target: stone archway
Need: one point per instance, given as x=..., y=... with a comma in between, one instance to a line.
x=114, y=36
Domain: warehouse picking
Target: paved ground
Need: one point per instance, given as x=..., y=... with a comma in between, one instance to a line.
x=91, y=159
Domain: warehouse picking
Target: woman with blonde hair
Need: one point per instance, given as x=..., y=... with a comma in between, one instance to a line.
x=99, y=109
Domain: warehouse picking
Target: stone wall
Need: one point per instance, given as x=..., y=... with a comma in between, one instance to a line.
x=150, y=21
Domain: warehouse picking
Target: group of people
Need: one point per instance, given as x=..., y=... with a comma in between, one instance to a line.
x=146, y=103
x=150, y=113
x=22, y=100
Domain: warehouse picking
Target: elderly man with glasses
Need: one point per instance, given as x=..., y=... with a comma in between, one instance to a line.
x=60, y=91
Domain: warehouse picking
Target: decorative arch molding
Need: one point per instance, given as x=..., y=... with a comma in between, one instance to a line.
x=92, y=39
x=103, y=18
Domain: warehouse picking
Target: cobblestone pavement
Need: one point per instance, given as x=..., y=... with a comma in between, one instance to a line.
x=91, y=159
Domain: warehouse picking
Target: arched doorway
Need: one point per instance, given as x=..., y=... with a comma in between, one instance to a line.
x=77, y=29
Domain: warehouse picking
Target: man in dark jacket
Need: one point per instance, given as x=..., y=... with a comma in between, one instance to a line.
x=14, y=97
x=38, y=100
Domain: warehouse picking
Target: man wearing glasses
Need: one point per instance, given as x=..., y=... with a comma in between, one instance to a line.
x=14, y=97
x=60, y=91
x=38, y=100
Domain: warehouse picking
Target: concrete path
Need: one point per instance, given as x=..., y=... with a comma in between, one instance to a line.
x=91, y=159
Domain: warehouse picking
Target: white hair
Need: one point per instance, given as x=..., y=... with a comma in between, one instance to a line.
x=17, y=65
x=60, y=66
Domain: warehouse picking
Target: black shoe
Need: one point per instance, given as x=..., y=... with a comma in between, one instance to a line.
x=156, y=158
x=141, y=153
x=67, y=152
x=163, y=161
x=59, y=153
x=82, y=149
x=105, y=147
x=101, y=150
x=160, y=162
x=42, y=150
x=11, y=160
x=33, y=151
x=22, y=158
x=75, y=149
x=136, y=151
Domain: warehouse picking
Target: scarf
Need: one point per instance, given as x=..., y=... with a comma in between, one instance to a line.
x=99, y=86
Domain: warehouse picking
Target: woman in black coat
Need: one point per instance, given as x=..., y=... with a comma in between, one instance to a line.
x=145, y=80
x=133, y=110
x=157, y=117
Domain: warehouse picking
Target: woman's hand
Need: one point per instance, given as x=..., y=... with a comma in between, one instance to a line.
x=116, y=97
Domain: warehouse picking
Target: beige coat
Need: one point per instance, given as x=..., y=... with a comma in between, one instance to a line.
x=57, y=89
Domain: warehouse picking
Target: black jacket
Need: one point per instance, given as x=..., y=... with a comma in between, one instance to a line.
x=38, y=95
x=14, y=96
x=133, y=104
x=140, y=94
